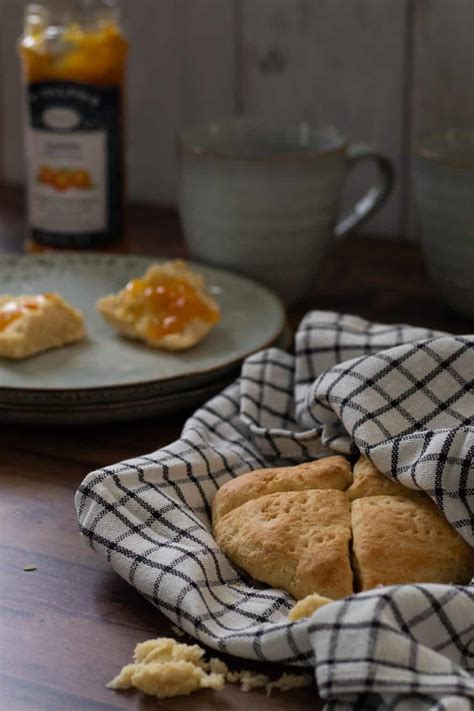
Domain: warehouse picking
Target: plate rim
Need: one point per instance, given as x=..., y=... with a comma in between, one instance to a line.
x=218, y=385
x=227, y=365
x=119, y=412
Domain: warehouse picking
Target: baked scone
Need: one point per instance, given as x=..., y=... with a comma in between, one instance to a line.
x=293, y=528
x=328, y=473
x=167, y=308
x=398, y=540
x=294, y=540
x=368, y=481
x=32, y=324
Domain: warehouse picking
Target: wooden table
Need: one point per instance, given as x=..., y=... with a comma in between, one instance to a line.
x=68, y=626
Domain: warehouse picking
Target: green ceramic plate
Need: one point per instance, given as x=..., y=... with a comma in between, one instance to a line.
x=107, y=368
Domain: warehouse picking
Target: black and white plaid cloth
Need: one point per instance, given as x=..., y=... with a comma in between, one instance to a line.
x=401, y=395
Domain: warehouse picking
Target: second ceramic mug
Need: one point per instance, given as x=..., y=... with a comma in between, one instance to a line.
x=264, y=201
x=444, y=175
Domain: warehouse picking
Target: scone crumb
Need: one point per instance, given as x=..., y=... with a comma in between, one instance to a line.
x=166, y=679
x=287, y=682
x=168, y=650
x=124, y=679
x=165, y=668
x=308, y=605
x=233, y=677
x=251, y=680
x=217, y=666
x=247, y=679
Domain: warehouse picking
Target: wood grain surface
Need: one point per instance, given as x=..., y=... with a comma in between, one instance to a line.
x=70, y=624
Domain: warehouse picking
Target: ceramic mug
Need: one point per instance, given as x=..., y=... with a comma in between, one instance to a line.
x=444, y=175
x=264, y=200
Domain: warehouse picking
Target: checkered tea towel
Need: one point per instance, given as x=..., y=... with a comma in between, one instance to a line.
x=401, y=395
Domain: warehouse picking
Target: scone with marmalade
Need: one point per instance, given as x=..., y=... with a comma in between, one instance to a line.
x=315, y=528
x=32, y=324
x=167, y=308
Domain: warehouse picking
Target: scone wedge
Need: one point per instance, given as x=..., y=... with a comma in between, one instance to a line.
x=288, y=529
x=398, y=539
x=328, y=473
x=368, y=481
x=297, y=541
x=32, y=324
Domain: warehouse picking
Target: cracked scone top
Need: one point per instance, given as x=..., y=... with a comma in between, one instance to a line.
x=308, y=529
x=167, y=308
x=31, y=324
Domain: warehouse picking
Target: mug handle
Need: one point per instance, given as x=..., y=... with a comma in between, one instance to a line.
x=375, y=196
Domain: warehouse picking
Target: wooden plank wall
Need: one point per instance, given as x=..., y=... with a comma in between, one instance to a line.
x=443, y=73
x=381, y=70
x=330, y=62
x=11, y=134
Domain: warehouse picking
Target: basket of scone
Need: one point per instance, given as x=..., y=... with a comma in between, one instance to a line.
x=321, y=531
x=316, y=513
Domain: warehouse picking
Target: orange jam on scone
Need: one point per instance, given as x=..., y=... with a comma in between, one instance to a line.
x=33, y=323
x=168, y=307
x=12, y=310
x=169, y=303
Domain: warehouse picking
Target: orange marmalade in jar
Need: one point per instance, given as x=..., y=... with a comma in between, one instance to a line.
x=73, y=57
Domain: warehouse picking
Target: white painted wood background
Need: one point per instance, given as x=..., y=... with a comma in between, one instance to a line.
x=383, y=71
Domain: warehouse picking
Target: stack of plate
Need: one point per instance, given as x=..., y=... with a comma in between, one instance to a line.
x=109, y=378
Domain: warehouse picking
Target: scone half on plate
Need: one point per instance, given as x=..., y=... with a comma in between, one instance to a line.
x=32, y=324
x=168, y=308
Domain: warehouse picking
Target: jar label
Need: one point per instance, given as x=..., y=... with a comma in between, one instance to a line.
x=74, y=144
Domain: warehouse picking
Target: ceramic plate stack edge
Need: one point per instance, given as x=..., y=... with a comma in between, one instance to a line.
x=109, y=378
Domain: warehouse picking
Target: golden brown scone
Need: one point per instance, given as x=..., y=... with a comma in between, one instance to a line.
x=401, y=540
x=368, y=481
x=286, y=528
x=168, y=308
x=297, y=541
x=32, y=324
x=327, y=473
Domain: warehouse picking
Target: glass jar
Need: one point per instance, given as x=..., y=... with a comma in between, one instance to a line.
x=74, y=56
